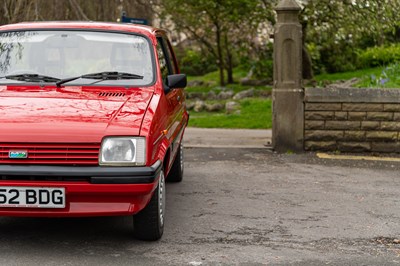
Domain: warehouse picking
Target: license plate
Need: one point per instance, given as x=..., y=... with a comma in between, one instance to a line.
x=32, y=197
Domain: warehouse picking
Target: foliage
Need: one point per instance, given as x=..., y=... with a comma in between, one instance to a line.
x=225, y=33
x=263, y=69
x=379, y=56
x=357, y=19
x=196, y=64
x=335, y=29
x=224, y=27
x=339, y=57
x=315, y=55
x=13, y=11
x=260, y=66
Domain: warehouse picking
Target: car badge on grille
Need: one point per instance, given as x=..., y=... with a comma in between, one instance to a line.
x=18, y=154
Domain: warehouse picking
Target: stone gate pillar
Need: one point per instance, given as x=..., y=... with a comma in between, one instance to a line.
x=288, y=92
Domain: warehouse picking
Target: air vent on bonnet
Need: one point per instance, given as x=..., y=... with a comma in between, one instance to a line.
x=111, y=94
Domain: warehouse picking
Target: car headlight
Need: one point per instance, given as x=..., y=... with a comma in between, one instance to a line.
x=123, y=151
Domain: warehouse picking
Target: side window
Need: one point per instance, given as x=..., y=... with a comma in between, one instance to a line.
x=163, y=59
x=165, y=56
x=170, y=56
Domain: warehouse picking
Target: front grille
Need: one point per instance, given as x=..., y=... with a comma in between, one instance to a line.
x=52, y=153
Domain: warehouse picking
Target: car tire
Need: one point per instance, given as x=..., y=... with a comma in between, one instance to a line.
x=176, y=173
x=149, y=223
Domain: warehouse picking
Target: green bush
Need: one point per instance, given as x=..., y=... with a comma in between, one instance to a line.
x=338, y=57
x=314, y=53
x=263, y=69
x=379, y=56
x=260, y=64
x=194, y=63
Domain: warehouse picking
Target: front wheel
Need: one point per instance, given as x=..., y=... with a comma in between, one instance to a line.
x=149, y=222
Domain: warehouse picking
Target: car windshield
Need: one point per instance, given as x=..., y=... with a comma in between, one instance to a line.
x=65, y=54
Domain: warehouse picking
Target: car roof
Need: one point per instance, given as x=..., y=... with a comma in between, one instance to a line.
x=85, y=25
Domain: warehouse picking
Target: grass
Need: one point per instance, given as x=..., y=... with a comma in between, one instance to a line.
x=389, y=77
x=379, y=77
x=348, y=75
x=255, y=113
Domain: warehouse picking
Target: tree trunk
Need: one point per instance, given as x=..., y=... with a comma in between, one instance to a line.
x=220, y=56
x=230, y=70
x=229, y=61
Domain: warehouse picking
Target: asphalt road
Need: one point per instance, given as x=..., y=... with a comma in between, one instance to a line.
x=237, y=207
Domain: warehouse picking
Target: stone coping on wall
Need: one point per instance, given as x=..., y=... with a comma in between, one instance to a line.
x=352, y=95
x=352, y=120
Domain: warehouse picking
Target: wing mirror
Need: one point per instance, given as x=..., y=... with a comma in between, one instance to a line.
x=176, y=81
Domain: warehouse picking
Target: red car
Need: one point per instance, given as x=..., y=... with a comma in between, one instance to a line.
x=92, y=117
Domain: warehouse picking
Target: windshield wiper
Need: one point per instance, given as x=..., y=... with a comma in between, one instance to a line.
x=32, y=78
x=102, y=76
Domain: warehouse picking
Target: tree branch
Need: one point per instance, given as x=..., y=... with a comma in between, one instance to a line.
x=78, y=10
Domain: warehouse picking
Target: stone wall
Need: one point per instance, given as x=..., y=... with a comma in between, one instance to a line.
x=352, y=120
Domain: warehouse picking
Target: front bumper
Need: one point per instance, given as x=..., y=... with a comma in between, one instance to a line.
x=94, y=175
x=106, y=192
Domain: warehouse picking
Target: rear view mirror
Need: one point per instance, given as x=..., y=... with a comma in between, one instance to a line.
x=63, y=41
